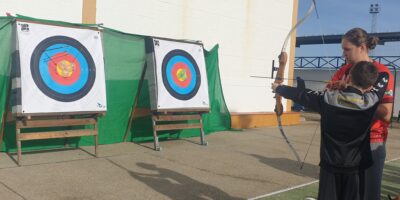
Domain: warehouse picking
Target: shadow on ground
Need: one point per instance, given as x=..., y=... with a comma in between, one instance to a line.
x=290, y=166
x=174, y=184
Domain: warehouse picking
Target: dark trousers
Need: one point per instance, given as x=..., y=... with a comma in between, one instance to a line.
x=341, y=186
x=373, y=175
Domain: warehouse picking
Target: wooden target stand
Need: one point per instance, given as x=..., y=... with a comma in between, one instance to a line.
x=177, y=119
x=64, y=122
x=68, y=121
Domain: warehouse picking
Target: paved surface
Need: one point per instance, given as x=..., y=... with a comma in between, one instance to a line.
x=235, y=165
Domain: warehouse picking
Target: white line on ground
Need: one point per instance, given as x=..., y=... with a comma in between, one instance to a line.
x=299, y=186
x=284, y=190
x=392, y=160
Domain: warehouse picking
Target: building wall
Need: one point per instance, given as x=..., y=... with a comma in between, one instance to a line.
x=70, y=11
x=250, y=34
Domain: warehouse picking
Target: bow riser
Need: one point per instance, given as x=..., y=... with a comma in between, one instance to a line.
x=279, y=79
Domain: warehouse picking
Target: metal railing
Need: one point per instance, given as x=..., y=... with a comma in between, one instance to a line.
x=336, y=62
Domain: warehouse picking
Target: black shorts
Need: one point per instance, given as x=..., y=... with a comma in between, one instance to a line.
x=340, y=186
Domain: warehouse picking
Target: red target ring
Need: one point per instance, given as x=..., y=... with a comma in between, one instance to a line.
x=181, y=74
x=64, y=68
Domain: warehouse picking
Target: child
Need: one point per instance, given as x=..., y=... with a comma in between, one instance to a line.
x=346, y=116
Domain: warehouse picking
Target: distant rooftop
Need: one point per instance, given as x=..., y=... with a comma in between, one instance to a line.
x=335, y=62
x=336, y=39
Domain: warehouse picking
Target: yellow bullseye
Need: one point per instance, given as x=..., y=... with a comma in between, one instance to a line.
x=65, y=68
x=181, y=74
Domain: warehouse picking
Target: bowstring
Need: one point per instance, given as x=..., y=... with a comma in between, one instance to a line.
x=331, y=75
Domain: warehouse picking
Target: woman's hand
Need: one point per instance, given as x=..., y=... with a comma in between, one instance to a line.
x=336, y=85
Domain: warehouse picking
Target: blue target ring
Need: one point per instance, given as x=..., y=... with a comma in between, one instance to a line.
x=48, y=53
x=51, y=83
x=180, y=59
x=174, y=86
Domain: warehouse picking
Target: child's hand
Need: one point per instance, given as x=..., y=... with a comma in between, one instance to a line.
x=274, y=86
x=339, y=84
x=300, y=83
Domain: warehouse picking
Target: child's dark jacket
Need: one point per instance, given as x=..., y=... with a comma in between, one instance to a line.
x=346, y=116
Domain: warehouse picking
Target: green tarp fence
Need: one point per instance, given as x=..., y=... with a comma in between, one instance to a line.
x=124, y=57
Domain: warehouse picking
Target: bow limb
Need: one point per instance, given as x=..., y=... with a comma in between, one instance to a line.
x=279, y=79
x=308, y=14
x=279, y=106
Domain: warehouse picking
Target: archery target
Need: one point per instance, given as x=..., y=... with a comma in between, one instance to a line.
x=180, y=74
x=181, y=79
x=62, y=69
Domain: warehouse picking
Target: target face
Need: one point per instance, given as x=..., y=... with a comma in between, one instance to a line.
x=176, y=75
x=62, y=68
x=181, y=75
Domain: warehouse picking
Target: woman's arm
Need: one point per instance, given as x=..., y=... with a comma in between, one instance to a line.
x=384, y=112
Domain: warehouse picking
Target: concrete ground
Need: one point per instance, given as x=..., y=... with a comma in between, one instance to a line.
x=235, y=165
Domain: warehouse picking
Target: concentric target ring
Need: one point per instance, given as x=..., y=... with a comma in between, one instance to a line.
x=62, y=68
x=180, y=74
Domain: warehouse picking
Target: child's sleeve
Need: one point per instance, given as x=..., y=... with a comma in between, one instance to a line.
x=383, y=87
x=306, y=97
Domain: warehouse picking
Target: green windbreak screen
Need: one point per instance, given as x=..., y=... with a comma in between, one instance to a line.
x=6, y=38
x=124, y=58
x=219, y=119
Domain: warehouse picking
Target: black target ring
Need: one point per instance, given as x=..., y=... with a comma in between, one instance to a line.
x=172, y=59
x=42, y=57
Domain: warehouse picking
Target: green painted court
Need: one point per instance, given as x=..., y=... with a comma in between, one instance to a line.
x=390, y=185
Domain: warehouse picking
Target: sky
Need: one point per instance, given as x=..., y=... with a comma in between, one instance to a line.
x=339, y=16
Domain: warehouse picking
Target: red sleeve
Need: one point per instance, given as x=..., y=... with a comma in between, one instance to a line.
x=340, y=73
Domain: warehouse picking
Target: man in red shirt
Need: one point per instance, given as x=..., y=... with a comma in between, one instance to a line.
x=356, y=44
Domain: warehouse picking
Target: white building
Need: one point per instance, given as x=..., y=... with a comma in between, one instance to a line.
x=250, y=34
